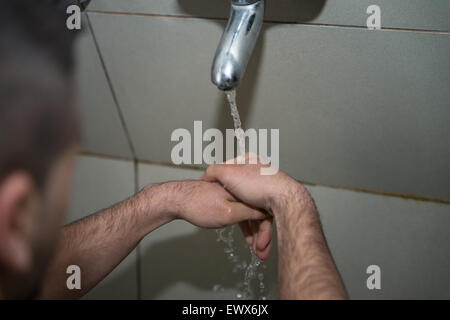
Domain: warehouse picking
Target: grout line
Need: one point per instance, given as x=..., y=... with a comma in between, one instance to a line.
x=269, y=21
x=159, y=15
x=111, y=87
x=365, y=28
x=171, y=165
x=103, y=155
x=405, y=196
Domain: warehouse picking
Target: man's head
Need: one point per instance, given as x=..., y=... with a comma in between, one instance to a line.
x=38, y=138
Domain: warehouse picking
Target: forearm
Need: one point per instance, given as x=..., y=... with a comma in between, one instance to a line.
x=306, y=269
x=98, y=243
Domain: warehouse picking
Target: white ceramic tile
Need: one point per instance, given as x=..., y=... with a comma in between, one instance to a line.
x=181, y=261
x=99, y=183
x=415, y=14
x=102, y=131
x=355, y=108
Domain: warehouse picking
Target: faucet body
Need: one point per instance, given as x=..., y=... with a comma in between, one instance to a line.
x=237, y=43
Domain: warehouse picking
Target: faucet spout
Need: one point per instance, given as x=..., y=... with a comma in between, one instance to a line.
x=237, y=43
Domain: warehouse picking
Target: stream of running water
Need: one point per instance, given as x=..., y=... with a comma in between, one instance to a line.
x=253, y=270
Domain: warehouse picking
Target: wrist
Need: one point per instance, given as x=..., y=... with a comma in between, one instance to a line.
x=154, y=207
x=294, y=203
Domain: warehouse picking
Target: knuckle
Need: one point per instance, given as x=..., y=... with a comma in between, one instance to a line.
x=210, y=171
x=227, y=169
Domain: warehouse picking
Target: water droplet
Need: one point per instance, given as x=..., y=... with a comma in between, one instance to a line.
x=217, y=288
x=239, y=295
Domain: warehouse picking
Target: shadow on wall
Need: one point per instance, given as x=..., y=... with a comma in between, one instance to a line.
x=198, y=260
x=276, y=10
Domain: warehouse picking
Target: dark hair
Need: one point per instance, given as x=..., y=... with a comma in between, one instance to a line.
x=38, y=117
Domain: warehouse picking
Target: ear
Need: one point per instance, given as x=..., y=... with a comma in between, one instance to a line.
x=17, y=192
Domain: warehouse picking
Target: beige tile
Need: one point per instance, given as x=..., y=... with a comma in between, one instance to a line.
x=99, y=183
x=355, y=108
x=407, y=239
x=415, y=14
x=102, y=131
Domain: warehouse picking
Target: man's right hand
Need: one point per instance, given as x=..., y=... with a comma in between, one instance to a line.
x=245, y=182
x=272, y=193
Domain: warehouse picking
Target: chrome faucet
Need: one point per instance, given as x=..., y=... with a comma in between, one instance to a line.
x=237, y=43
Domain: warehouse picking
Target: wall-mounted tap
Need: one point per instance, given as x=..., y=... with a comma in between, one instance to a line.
x=237, y=43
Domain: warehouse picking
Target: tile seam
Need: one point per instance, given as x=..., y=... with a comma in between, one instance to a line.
x=111, y=89
x=397, y=195
x=343, y=26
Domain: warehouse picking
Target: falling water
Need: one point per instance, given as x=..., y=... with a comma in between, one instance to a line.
x=231, y=97
x=226, y=235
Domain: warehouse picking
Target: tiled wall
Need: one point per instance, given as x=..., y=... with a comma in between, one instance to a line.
x=357, y=110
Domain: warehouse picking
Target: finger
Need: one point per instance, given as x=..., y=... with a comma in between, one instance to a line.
x=231, y=161
x=264, y=238
x=254, y=231
x=263, y=254
x=241, y=212
x=214, y=172
x=252, y=158
x=245, y=228
x=264, y=233
x=207, y=176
